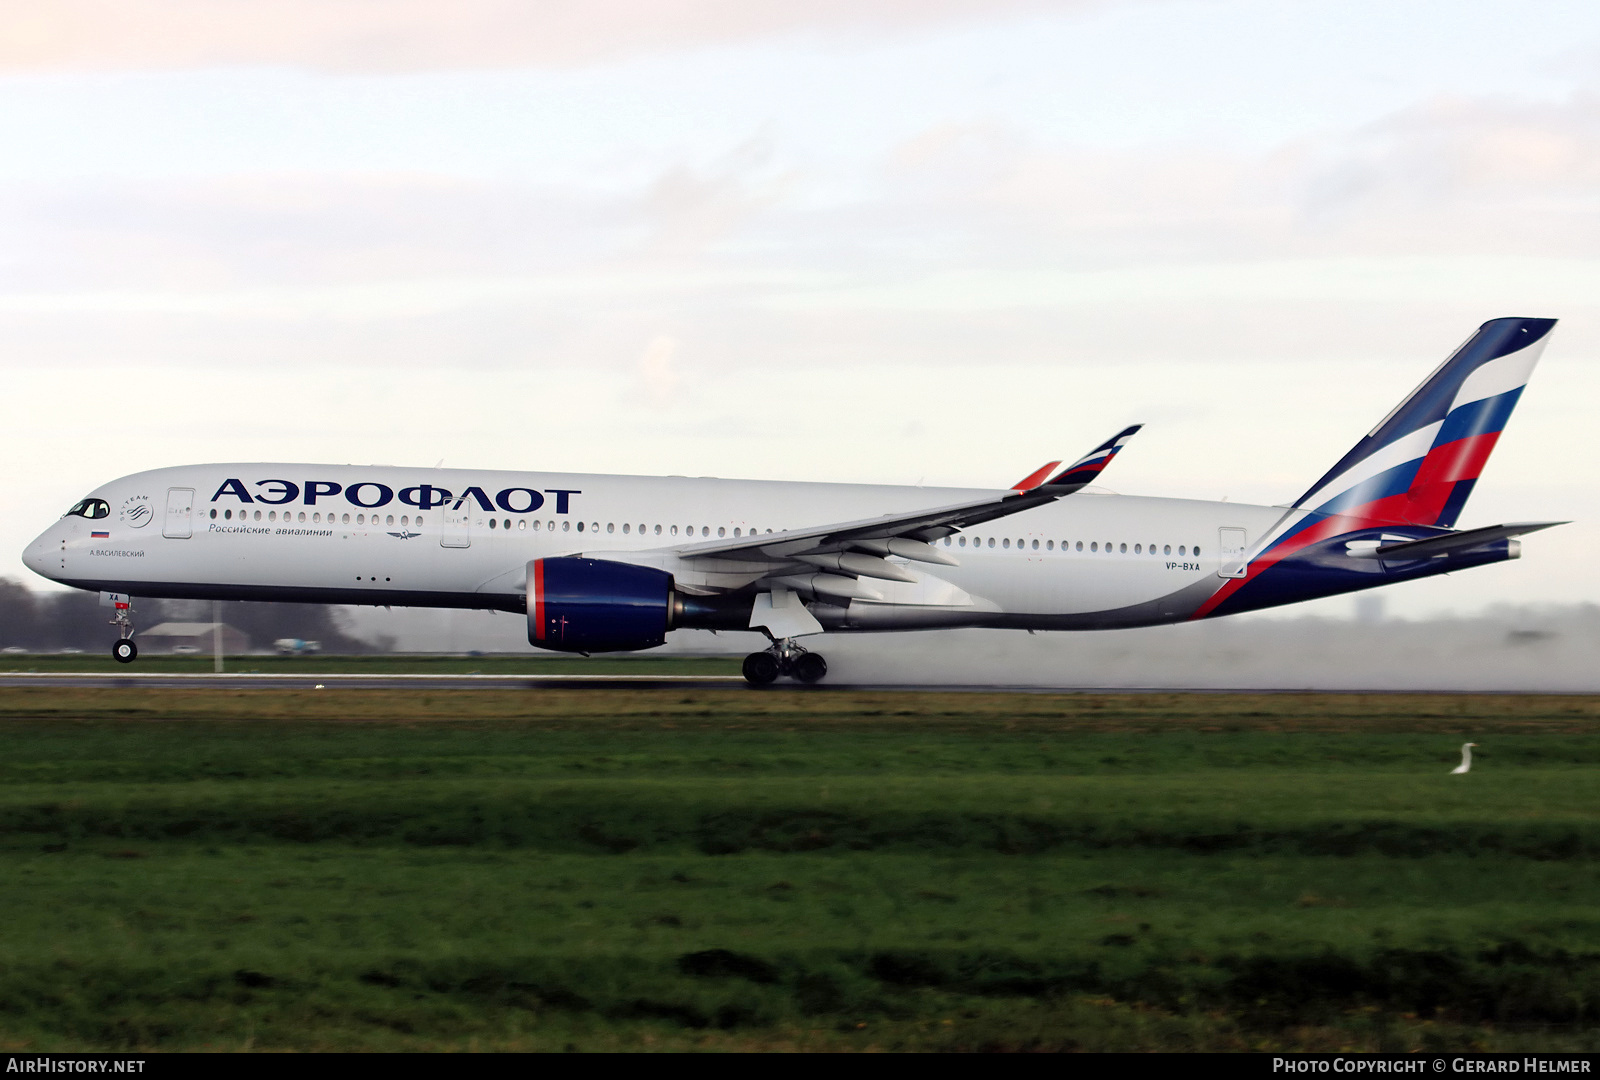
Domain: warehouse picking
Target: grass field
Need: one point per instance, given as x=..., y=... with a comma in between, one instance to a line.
x=195, y=869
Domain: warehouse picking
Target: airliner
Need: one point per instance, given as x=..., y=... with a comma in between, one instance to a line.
x=599, y=563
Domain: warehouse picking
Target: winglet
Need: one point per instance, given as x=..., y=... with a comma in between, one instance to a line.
x=1035, y=478
x=1089, y=467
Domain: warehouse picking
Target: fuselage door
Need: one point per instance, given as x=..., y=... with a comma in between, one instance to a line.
x=180, y=512
x=456, y=532
x=1230, y=545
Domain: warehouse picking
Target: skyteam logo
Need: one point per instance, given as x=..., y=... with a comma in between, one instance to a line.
x=136, y=512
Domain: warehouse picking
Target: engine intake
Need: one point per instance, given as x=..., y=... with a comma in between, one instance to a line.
x=593, y=605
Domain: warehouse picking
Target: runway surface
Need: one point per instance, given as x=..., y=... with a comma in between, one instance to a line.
x=260, y=681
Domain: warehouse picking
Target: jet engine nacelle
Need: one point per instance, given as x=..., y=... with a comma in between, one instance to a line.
x=593, y=605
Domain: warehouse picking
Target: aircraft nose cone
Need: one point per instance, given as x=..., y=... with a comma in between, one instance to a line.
x=37, y=554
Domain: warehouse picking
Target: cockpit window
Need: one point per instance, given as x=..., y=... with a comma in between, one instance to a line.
x=90, y=508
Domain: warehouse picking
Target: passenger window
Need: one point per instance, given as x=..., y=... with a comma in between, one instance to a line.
x=611, y=527
x=1049, y=545
x=389, y=520
x=272, y=515
x=1095, y=546
x=625, y=528
x=1036, y=545
x=522, y=524
x=1196, y=553
x=674, y=530
x=405, y=519
x=658, y=530
x=1122, y=548
x=1180, y=549
x=417, y=522
x=594, y=526
x=722, y=530
x=302, y=515
x=580, y=526
x=567, y=526
x=493, y=523
x=705, y=530
x=1137, y=550
x=1080, y=545
x=735, y=532
x=1167, y=550
x=1006, y=543
x=991, y=541
x=213, y=513
x=961, y=542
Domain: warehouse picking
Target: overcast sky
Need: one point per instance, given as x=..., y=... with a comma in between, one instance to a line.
x=875, y=240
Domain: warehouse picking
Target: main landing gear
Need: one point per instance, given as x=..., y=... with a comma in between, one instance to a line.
x=784, y=658
x=124, y=651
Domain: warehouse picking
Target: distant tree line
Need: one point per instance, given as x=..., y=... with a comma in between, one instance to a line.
x=52, y=621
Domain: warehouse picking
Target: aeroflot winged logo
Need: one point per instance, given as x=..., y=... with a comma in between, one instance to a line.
x=369, y=495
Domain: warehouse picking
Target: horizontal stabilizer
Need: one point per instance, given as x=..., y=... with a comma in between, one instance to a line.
x=1446, y=543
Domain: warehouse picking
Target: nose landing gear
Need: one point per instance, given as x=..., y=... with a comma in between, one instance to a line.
x=784, y=658
x=124, y=651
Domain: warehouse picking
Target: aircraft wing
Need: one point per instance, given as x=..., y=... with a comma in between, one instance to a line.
x=908, y=535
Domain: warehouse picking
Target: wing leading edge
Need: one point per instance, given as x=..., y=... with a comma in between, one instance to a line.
x=910, y=535
x=833, y=559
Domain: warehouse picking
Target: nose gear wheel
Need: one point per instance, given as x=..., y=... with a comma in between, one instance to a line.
x=124, y=651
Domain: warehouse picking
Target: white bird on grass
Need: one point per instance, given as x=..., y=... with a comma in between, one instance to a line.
x=1466, y=759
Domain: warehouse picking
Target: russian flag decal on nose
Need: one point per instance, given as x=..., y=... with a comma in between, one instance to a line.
x=100, y=536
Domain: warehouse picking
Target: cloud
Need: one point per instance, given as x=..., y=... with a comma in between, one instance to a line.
x=968, y=239
x=1446, y=176
x=411, y=35
x=1487, y=173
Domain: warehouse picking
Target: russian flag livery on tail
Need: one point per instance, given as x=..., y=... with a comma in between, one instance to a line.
x=1408, y=479
x=618, y=563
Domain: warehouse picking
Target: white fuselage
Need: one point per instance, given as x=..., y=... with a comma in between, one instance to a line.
x=373, y=535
